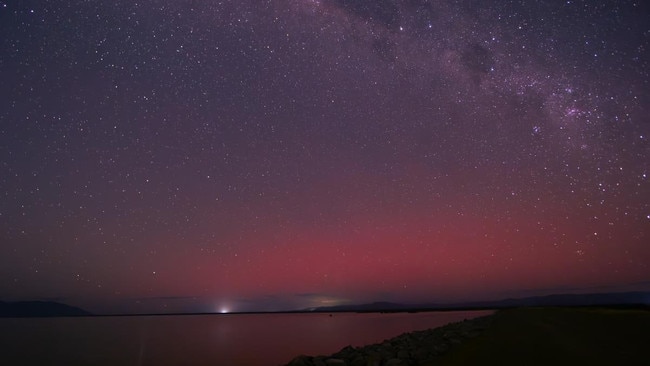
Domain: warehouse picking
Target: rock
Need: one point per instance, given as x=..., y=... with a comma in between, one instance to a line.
x=440, y=348
x=346, y=353
x=415, y=348
x=373, y=360
x=334, y=362
x=422, y=353
x=403, y=354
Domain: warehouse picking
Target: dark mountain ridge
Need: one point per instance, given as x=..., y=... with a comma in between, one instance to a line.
x=28, y=309
x=597, y=299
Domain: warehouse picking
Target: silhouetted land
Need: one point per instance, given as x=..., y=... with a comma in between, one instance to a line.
x=620, y=299
x=559, y=336
x=516, y=336
x=29, y=309
x=597, y=299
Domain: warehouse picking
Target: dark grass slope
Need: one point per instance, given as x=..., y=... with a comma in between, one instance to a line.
x=559, y=336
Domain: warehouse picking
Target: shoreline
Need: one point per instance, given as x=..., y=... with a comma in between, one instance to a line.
x=417, y=347
x=539, y=336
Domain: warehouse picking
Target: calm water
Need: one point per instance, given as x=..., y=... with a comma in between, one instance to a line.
x=268, y=339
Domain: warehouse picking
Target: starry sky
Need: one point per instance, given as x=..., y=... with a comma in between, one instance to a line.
x=212, y=155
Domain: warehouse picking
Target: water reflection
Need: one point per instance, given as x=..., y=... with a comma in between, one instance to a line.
x=231, y=339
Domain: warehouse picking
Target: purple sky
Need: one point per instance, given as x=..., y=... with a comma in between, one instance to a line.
x=265, y=155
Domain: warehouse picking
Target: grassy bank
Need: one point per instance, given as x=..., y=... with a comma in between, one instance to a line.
x=558, y=336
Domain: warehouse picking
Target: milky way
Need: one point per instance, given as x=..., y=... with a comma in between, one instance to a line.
x=265, y=155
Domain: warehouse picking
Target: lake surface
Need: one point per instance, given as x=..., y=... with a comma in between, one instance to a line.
x=216, y=340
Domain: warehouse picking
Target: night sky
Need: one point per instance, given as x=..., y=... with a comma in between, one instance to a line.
x=264, y=155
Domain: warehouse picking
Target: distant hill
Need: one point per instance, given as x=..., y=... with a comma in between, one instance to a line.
x=616, y=298
x=372, y=307
x=606, y=299
x=26, y=309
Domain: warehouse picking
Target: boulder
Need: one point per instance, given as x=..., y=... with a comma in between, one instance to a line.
x=359, y=361
x=335, y=362
x=422, y=353
x=411, y=348
x=394, y=362
x=403, y=354
x=301, y=361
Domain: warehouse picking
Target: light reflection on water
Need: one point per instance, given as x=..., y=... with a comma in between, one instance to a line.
x=230, y=339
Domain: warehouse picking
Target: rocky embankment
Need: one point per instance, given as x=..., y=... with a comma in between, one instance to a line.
x=415, y=348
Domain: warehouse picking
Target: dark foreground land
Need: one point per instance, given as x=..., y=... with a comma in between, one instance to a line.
x=525, y=336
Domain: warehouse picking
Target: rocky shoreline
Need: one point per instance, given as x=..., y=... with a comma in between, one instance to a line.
x=414, y=348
